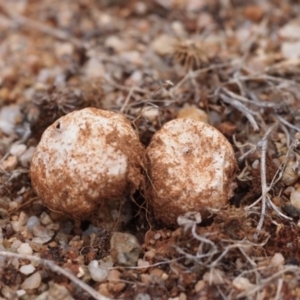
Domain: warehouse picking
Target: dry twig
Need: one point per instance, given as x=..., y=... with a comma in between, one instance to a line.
x=57, y=269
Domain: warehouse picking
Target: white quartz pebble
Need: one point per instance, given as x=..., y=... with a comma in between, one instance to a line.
x=32, y=282
x=295, y=198
x=277, y=260
x=17, y=149
x=27, y=269
x=32, y=222
x=99, y=273
x=25, y=249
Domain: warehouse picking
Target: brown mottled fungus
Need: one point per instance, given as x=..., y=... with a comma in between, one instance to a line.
x=191, y=167
x=85, y=160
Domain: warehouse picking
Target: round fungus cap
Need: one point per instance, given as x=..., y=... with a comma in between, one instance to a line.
x=191, y=167
x=85, y=160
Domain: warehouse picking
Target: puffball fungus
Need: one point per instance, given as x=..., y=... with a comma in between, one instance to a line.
x=191, y=167
x=85, y=161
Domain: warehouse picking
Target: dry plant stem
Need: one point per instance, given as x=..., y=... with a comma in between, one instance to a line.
x=242, y=108
x=110, y=81
x=127, y=100
x=264, y=187
x=161, y=263
x=246, y=100
x=287, y=134
x=22, y=205
x=213, y=250
x=200, y=255
x=275, y=179
x=12, y=174
x=55, y=268
x=262, y=77
x=194, y=74
x=35, y=25
x=241, y=146
x=285, y=122
x=279, y=287
x=235, y=245
x=257, y=288
x=196, y=89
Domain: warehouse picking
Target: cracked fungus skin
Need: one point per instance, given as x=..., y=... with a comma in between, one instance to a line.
x=86, y=159
x=191, y=166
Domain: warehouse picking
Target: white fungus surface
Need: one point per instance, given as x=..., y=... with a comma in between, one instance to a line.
x=85, y=160
x=191, y=167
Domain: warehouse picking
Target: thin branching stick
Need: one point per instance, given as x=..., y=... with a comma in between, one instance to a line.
x=196, y=73
x=256, y=288
x=263, y=175
x=242, y=108
x=57, y=269
x=285, y=122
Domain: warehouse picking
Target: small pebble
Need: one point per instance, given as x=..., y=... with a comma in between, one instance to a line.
x=42, y=234
x=295, y=198
x=17, y=149
x=150, y=254
x=10, y=163
x=41, y=240
x=32, y=282
x=199, y=285
x=132, y=57
x=37, y=247
x=151, y=113
x=124, y=249
x=114, y=276
x=45, y=219
x=98, y=272
x=140, y=8
x=103, y=290
x=21, y=293
x=277, y=260
x=16, y=244
x=142, y=297
x=62, y=238
x=55, y=292
x=181, y=296
x=32, y=222
x=157, y=272
x=7, y=292
x=143, y=265
x=23, y=217
x=16, y=225
x=163, y=45
x=25, y=158
x=115, y=43
x=289, y=175
x=214, y=276
x=157, y=236
x=145, y=278
x=13, y=205
x=242, y=283
x=25, y=249
x=115, y=286
x=178, y=29
x=27, y=269
x=9, y=117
